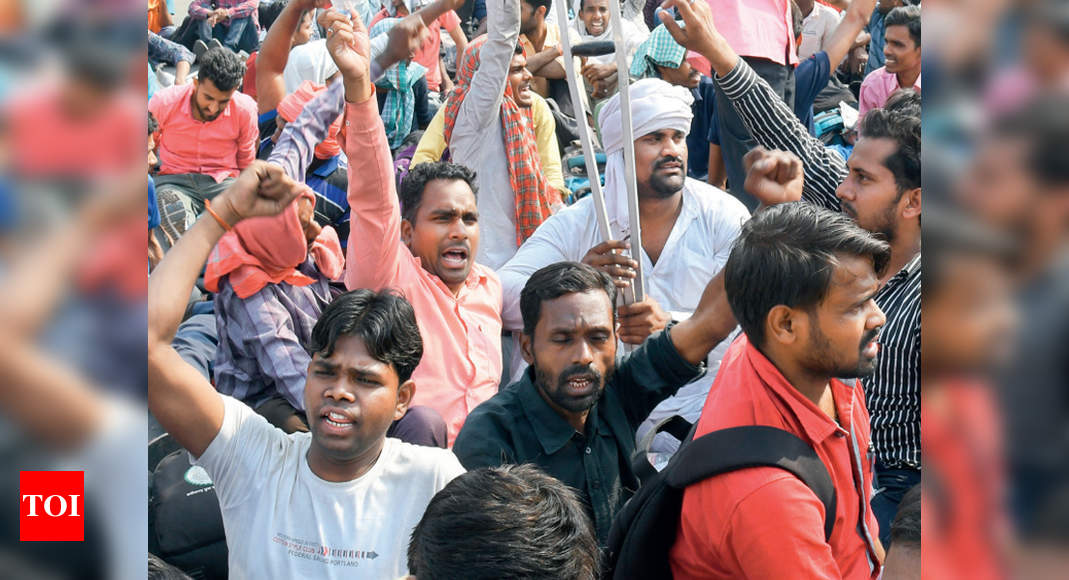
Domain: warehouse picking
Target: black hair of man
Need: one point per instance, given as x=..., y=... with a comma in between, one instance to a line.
x=1043, y=125
x=905, y=101
x=796, y=19
x=153, y=125
x=908, y=16
x=906, y=527
x=786, y=255
x=384, y=320
x=161, y=570
x=415, y=182
x=512, y=521
x=536, y=3
x=905, y=130
x=555, y=281
x=223, y=67
x=950, y=236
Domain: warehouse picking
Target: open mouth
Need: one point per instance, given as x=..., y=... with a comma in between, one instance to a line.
x=579, y=385
x=337, y=419
x=455, y=258
x=871, y=349
x=597, y=28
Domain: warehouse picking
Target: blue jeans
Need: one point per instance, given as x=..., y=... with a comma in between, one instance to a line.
x=891, y=485
x=237, y=34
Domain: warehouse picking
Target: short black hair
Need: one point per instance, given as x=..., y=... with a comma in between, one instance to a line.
x=1043, y=125
x=555, y=281
x=905, y=101
x=416, y=181
x=906, y=527
x=222, y=67
x=512, y=521
x=908, y=16
x=796, y=19
x=384, y=320
x=153, y=125
x=536, y=3
x=786, y=254
x=905, y=130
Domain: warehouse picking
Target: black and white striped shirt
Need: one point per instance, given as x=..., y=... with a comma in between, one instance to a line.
x=893, y=392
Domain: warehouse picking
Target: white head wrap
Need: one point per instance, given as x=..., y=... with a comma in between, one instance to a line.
x=655, y=105
x=308, y=62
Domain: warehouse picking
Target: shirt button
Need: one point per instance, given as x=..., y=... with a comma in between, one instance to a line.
x=588, y=451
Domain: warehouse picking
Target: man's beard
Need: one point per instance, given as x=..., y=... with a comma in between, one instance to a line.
x=822, y=358
x=662, y=186
x=557, y=394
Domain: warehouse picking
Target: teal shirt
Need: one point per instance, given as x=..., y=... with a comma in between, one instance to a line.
x=518, y=426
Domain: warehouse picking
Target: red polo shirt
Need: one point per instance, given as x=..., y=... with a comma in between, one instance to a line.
x=763, y=522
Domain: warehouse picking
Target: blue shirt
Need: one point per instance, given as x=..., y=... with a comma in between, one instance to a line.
x=810, y=78
x=703, y=129
x=876, y=30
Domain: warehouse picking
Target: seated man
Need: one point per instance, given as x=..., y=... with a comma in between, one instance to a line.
x=345, y=489
x=541, y=45
x=482, y=523
x=592, y=24
x=234, y=23
x=800, y=281
x=575, y=411
x=207, y=135
x=902, y=55
x=688, y=228
x=488, y=126
x=427, y=253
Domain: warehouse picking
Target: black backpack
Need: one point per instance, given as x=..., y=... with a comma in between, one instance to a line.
x=645, y=529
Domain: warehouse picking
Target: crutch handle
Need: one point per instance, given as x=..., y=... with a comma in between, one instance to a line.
x=594, y=48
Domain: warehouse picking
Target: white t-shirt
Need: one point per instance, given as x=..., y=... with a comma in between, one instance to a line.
x=283, y=521
x=817, y=29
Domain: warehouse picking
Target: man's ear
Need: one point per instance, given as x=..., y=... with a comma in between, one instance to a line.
x=406, y=233
x=526, y=347
x=405, y=392
x=784, y=325
x=541, y=11
x=911, y=205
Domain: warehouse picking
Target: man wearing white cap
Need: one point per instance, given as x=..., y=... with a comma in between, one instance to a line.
x=688, y=228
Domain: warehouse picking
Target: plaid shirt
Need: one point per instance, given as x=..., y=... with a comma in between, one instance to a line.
x=200, y=9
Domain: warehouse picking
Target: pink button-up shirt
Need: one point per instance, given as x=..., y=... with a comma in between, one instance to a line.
x=757, y=28
x=877, y=87
x=461, y=364
x=220, y=148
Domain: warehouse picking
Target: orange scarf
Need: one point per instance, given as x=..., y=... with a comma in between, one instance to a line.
x=268, y=250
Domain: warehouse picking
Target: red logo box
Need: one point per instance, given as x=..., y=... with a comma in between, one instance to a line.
x=51, y=506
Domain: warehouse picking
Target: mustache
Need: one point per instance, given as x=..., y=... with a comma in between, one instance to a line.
x=580, y=372
x=660, y=162
x=869, y=337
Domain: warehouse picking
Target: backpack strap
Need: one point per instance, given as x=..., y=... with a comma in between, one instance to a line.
x=737, y=448
x=675, y=426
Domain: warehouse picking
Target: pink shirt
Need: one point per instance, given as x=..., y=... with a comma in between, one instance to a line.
x=428, y=55
x=757, y=28
x=461, y=364
x=877, y=87
x=220, y=148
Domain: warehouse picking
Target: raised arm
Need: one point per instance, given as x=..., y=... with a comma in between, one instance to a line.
x=768, y=119
x=483, y=102
x=295, y=149
x=844, y=37
x=275, y=51
x=710, y=324
x=183, y=401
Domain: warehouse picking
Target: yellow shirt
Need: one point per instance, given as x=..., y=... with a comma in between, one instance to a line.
x=432, y=144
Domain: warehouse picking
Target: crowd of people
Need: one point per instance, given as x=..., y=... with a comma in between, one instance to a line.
x=384, y=319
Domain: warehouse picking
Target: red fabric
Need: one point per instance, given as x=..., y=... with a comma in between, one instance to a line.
x=248, y=84
x=291, y=106
x=267, y=250
x=534, y=194
x=116, y=260
x=763, y=522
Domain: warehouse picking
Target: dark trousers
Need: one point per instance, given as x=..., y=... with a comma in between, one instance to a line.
x=735, y=139
x=891, y=485
x=236, y=34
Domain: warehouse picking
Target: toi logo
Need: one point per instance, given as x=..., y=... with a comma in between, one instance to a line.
x=51, y=506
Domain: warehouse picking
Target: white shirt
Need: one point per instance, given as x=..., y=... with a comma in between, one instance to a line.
x=283, y=521
x=816, y=29
x=697, y=249
x=478, y=141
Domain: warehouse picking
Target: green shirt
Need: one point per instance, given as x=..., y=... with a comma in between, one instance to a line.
x=518, y=426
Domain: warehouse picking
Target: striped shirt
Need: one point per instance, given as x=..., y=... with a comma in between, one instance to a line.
x=893, y=391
